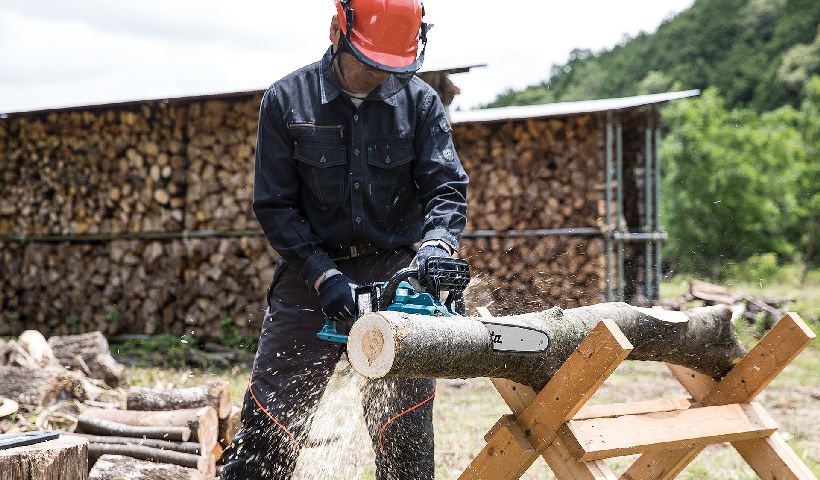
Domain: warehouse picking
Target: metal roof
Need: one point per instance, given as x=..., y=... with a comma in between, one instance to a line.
x=565, y=108
x=188, y=98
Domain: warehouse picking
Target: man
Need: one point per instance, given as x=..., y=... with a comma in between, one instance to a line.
x=354, y=166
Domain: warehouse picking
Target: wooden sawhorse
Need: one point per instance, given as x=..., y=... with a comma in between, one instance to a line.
x=668, y=433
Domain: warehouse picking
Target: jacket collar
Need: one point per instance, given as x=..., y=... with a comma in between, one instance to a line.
x=328, y=86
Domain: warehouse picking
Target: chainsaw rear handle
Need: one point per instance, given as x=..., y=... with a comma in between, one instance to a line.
x=389, y=291
x=445, y=273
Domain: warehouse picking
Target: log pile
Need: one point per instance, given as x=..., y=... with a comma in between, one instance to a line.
x=182, y=428
x=94, y=171
x=517, y=275
x=531, y=174
x=132, y=286
x=221, y=146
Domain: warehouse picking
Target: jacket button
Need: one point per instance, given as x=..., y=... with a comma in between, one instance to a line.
x=355, y=118
x=323, y=159
x=387, y=159
x=355, y=185
x=358, y=219
x=356, y=152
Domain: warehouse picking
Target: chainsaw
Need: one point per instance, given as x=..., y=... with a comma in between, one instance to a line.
x=403, y=293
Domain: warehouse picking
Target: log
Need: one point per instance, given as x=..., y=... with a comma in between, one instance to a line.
x=88, y=353
x=229, y=426
x=202, y=422
x=8, y=407
x=37, y=387
x=118, y=467
x=386, y=344
x=96, y=426
x=36, y=345
x=214, y=395
x=64, y=458
x=204, y=464
x=192, y=448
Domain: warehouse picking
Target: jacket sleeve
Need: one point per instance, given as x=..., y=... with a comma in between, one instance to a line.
x=439, y=176
x=276, y=202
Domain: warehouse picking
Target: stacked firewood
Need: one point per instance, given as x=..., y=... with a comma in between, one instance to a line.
x=518, y=275
x=537, y=173
x=221, y=146
x=94, y=171
x=71, y=383
x=133, y=286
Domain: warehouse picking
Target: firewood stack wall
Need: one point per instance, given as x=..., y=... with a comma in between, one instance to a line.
x=102, y=179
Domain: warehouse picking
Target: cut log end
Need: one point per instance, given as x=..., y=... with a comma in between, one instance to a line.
x=375, y=346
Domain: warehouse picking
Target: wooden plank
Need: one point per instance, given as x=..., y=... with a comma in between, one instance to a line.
x=565, y=467
x=749, y=377
x=632, y=408
x=507, y=448
x=518, y=397
x=697, y=384
x=772, y=459
x=600, y=438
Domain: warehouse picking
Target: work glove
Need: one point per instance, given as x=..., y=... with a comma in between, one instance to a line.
x=420, y=262
x=336, y=298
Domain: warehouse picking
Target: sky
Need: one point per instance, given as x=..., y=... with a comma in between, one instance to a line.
x=58, y=53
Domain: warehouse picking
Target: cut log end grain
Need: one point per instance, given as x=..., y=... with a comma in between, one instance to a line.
x=374, y=335
x=64, y=458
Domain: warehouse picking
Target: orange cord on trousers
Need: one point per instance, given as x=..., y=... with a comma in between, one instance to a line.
x=381, y=430
x=292, y=438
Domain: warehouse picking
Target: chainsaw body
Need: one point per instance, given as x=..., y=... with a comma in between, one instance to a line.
x=403, y=293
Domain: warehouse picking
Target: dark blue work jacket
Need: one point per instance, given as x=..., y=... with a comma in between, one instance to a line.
x=329, y=176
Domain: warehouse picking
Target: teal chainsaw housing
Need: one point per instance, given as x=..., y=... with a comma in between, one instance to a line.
x=407, y=300
x=398, y=294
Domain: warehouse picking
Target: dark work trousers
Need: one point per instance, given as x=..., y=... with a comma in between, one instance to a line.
x=290, y=372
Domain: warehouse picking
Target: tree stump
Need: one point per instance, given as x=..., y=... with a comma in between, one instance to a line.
x=118, y=467
x=64, y=458
x=38, y=387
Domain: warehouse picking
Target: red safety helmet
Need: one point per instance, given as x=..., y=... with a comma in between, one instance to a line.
x=384, y=34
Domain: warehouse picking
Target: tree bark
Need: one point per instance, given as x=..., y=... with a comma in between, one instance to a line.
x=64, y=458
x=192, y=448
x=96, y=426
x=202, y=422
x=205, y=464
x=38, y=387
x=117, y=467
x=88, y=353
x=214, y=395
x=395, y=344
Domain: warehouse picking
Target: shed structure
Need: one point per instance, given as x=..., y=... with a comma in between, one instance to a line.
x=136, y=217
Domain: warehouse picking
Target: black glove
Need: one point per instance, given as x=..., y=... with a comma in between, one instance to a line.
x=336, y=298
x=423, y=254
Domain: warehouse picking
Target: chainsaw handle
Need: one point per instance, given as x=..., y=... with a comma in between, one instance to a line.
x=389, y=290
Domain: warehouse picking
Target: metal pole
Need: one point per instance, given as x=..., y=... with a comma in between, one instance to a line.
x=608, y=205
x=648, y=197
x=658, y=273
x=621, y=217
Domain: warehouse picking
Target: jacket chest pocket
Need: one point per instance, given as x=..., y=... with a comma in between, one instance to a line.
x=389, y=167
x=323, y=169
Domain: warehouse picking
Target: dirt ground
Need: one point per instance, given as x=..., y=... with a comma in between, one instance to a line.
x=340, y=447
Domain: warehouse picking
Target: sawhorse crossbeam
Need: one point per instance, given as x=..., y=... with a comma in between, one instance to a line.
x=669, y=433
